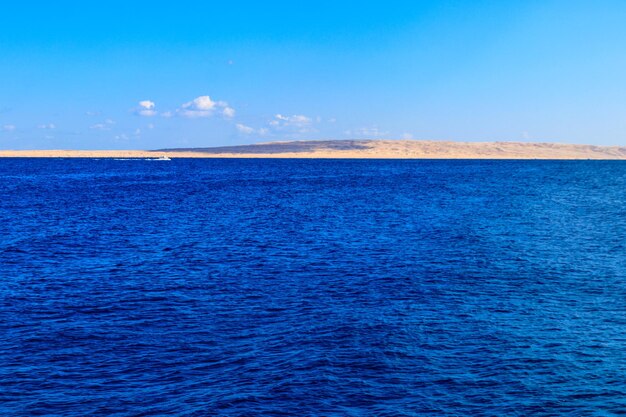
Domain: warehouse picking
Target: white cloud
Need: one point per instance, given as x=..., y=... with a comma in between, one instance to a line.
x=198, y=107
x=8, y=128
x=228, y=112
x=204, y=106
x=297, y=123
x=123, y=136
x=48, y=126
x=246, y=130
x=103, y=126
x=146, y=108
x=202, y=103
x=167, y=114
x=407, y=136
x=295, y=120
x=147, y=104
x=366, y=132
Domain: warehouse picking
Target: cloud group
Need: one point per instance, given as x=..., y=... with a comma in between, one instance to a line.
x=199, y=107
x=280, y=124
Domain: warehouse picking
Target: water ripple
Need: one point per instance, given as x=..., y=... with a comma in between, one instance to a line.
x=334, y=288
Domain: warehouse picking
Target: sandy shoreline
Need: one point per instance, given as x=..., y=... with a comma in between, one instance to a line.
x=376, y=149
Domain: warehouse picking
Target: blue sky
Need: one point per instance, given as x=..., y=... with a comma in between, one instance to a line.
x=145, y=75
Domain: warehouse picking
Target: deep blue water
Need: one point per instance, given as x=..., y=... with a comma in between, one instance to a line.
x=312, y=288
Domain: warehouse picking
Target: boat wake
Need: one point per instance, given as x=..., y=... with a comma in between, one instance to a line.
x=163, y=158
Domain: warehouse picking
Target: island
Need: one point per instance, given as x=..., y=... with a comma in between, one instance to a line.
x=354, y=149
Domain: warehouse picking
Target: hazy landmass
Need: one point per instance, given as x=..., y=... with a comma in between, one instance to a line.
x=358, y=149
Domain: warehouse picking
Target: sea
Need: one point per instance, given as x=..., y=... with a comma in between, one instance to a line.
x=287, y=287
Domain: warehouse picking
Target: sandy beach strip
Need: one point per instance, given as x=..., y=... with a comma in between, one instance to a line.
x=365, y=149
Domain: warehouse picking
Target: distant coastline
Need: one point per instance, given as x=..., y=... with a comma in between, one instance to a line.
x=355, y=149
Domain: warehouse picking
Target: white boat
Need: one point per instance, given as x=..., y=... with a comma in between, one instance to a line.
x=163, y=158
